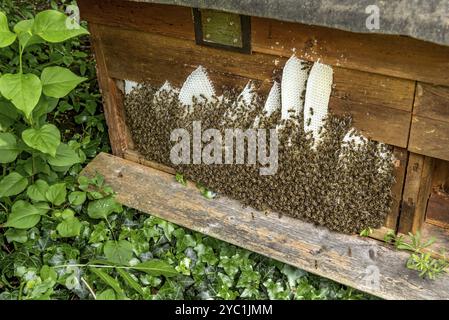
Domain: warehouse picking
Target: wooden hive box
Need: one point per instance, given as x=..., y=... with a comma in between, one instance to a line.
x=396, y=87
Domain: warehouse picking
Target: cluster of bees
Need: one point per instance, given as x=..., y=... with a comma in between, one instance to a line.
x=339, y=183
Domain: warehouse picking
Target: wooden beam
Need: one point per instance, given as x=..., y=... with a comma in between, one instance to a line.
x=350, y=260
x=372, y=99
x=391, y=55
x=175, y=21
x=429, y=137
x=418, y=181
x=400, y=166
x=112, y=98
x=432, y=102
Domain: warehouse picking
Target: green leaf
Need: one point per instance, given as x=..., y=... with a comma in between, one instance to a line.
x=130, y=281
x=156, y=267
x=48, y=273
x=23, y=29
x=14, y=183
x=65, y=156
x=8, y=114
x=6, y=36
x=101, y=208
x=23, y=215
x=54, y=26
x=107, y=294
x=43, y=107
x=57, y=82
x=45, y=139
x=37, y=191
x=110, y=281
x=77, y=198
x=119, y=252
x=56, y=194
x=24, y=91
x=16, y=235
x=70, y=227
x=8, y=147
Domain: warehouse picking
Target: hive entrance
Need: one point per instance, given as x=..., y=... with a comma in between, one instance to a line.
x=330, y=175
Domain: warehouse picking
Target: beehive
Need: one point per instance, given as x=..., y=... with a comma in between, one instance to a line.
x=393, y=83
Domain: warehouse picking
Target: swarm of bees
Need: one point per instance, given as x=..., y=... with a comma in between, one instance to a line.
x=342, y=181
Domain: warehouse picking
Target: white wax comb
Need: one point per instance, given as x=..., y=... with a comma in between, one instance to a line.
x=168, y=88
x=196, y=85
x=272, y=104
x=318, y=91
x=294, y=77
x=130, y=86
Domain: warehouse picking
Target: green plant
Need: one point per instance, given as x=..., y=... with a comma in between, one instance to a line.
x=366, y=232
x=421, y=261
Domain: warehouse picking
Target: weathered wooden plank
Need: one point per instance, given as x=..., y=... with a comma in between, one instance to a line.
x=418, y=181
x=432, y=101
x=441, y=237
x=396, y=56
x=135, y=156
x=372, y=99
x=438, y=206
x=112, y=98
x=429, y=137
x=438, y=209
x=401, y=156
x=170, y=20
x=351, y=260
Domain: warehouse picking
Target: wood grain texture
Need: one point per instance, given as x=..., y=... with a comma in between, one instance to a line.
x=169, y=20
x=112, y=98
x=438, y=209
x=346, y=259
x=400, y=167
x=432, y=101
x=372, y=99
x=417, y=187
x=396, y=56
x=441, y=237
x=429, y=137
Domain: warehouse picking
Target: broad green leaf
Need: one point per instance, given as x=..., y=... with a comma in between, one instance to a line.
x=24, y=90
x=43, y=107
x=70, y=227
x=130, y=281
x=37, y=191
x=8, y=114
x=23, y=29
x=48, y=272
x=77, y=198
x=55, y=26
x=156, y=267
x=45, y=139
x=107, y=279
x=65, y=156
x=23, y=215
x=119, y=252
x=8, y=147
x=101, y=208
x=107, y=294
x=56, y=194
x=16, y=235
x=14, y=183
x=6, y=36
x=57, y=82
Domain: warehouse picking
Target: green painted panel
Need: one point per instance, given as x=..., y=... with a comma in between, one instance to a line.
x=222, y=28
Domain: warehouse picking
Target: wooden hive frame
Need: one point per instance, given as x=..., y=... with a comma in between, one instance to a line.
x=374, y=81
